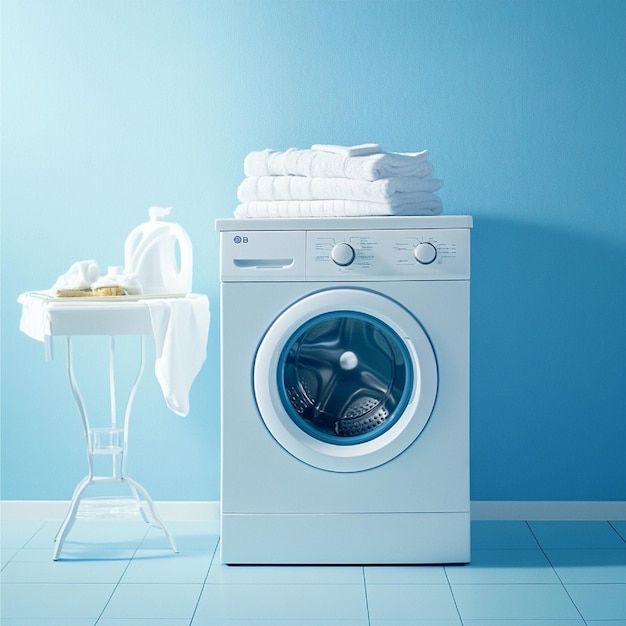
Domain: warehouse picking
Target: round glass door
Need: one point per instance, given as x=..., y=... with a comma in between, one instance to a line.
x=344, y=377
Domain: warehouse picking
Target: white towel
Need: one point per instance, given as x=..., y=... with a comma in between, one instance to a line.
x=362, y=149
x=181, y=328
x=335, y=208
x=35, y=319
x=319, y=163
x=80, y=275
x=396, y=191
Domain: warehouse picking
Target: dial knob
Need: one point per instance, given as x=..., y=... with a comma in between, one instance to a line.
x=342, y=254
x=425, y=253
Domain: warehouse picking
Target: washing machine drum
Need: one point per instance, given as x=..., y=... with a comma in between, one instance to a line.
x=344, y=377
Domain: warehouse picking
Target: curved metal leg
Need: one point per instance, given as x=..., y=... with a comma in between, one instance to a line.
x=137, y=497
x=113, y=400
x=79, y=402
x=79, y=487
x=70, y=518
x=131, y=398
x=127, y=412
x=153, y=514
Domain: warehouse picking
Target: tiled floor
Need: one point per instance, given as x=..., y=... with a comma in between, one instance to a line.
x=121, y=574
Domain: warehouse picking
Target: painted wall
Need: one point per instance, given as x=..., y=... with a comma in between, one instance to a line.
x=110, y=107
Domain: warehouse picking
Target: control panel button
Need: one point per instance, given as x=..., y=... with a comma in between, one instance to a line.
x=342, y=254
x=425, y=253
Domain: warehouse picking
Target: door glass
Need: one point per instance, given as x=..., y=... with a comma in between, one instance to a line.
x=345, y=377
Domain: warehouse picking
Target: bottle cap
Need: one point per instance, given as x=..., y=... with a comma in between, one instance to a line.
x=158, y=212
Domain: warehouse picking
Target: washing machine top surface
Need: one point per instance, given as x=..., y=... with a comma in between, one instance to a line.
x=346, y=223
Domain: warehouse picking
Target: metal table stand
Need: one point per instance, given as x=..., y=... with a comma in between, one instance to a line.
x=133, y=319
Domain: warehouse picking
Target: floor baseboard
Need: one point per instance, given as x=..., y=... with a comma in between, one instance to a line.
x=548, y=510
x=209, y=510
x=169, y=510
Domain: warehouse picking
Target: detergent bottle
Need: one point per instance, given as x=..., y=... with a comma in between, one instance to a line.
x=159, y=253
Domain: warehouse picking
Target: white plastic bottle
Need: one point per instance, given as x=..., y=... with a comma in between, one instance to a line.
x=150, y=252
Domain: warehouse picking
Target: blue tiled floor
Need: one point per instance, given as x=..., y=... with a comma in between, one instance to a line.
x=122, y=574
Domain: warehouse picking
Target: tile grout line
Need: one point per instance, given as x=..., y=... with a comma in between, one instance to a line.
x=195, y=608
x=367, y=604
x=617, y=531
x=456, y=606
x=22, y=547
x=10, y=558
x=555, y=572
x=117, y=584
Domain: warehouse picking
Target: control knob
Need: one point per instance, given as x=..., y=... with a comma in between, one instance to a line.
x=425, y=253
x=342, y=254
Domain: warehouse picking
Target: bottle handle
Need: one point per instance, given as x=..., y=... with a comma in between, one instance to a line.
x=186, y=257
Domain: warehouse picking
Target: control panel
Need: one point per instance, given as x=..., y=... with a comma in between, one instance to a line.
x=345, y=255
x=428, y=254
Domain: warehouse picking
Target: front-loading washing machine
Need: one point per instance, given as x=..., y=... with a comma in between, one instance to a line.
x=345, y=390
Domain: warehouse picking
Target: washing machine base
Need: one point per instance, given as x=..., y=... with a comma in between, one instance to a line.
x=341, y=539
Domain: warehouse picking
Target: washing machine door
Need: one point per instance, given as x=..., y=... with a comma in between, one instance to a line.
x=345, y=379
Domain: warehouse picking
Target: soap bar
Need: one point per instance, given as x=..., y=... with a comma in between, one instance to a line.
x=74, y=293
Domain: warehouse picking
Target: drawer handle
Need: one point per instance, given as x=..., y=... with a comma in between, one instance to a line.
x=264, y=264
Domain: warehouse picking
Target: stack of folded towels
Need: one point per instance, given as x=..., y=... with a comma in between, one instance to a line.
x=332, y=181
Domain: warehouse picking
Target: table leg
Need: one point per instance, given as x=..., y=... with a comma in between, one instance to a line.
x=137, y=497
x=92, y=441
x=68, y=522
x=159, y=522
x=131, y=400
x=70, y=518
x=82, y=409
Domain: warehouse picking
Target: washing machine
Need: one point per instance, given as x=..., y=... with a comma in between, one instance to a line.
x=345, y=390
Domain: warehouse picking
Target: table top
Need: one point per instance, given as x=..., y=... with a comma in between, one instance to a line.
x=96, y=316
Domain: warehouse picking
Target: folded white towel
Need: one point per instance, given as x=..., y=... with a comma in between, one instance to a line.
x=336, y=208
x=360, y=150
x=320, y=163
x=181, y=328
x=394, y=190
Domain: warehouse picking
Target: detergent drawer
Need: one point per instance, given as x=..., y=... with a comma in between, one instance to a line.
x=262, y=256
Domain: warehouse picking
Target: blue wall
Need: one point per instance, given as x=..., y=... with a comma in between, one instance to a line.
x=110, y=107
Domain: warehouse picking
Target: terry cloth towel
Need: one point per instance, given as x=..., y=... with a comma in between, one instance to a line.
x=396, y=191
x=319, y=163
x=35, y=319
x=181, y=328
x=361, y=150
x=335, y=208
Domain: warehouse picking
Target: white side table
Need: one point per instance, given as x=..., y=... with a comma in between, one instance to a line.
x=71, y=318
